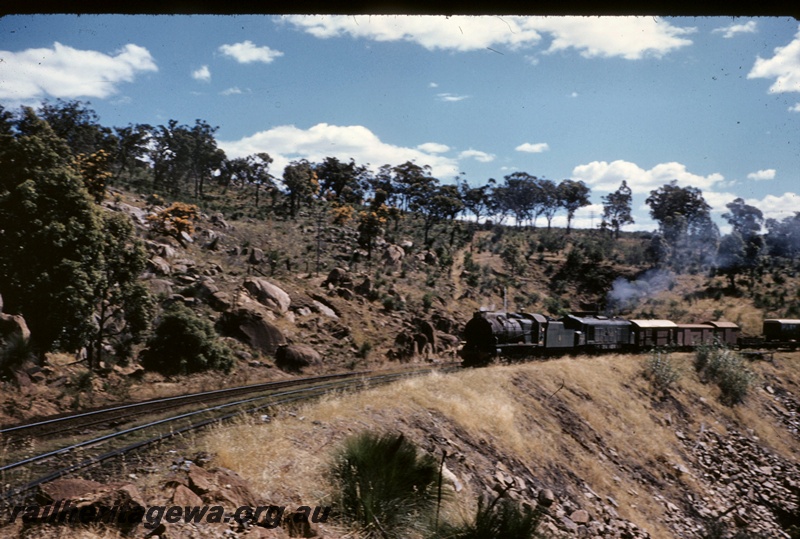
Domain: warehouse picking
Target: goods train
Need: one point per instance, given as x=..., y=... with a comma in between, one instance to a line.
x=501, y=334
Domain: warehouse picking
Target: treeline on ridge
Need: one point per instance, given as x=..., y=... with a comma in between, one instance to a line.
x=72, y=270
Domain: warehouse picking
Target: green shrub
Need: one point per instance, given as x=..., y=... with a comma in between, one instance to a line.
x=427, y=301
x=393, y=303
x=364, y=350
x=717, y=529
x=383, y=485
x=555, y=307
x=184, y=343
x=504, y=519
x=660, y=371
x=727, y=369
x=82, y=381
x=703, y=353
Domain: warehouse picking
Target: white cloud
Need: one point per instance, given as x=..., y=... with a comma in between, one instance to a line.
x=627, y=37
x=718, y=200
x=70, y=73
x=603, y=176
x=231, y=91
x=795, y=108
x=202, y=74
x=784, y=67
x=247, y=53
x=539, y=147
x=478, y=155
x=730, y=31
x=533, y=60
x=631, y=38
x=451, y=98
x=433, y=85
x=768, y=174
x=287, y=143
x=433, y=147
x=776, y=207
x=461, y=33
x=573, y=94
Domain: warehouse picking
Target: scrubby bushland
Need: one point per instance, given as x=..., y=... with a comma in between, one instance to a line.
x=727, y=369
x=184, y=343
x=384, y=486
x=503, y=519
x=660, y=370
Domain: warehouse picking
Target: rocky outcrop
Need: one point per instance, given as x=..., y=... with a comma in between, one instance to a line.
x=253, y=329
x=296, y=357
x=256, y=256
x=159, y=266
x=13, y=324
x=427, y=257
x=420, y=337
x=160, y=287
x=364, y=288
x=338, y=277
x=393, y=256
x=102, y=498
x=268, y=294
x=219, y=220
x=208, y=292
x=221, y=485
x=746, y=486
x=560, y=514
x=138, y=215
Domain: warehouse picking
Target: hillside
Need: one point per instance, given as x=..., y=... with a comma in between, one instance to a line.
x=590, y=438
x=591, y=430
x=407, y=302
x=587, y=439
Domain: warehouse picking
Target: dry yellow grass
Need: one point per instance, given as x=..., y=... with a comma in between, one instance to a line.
x=596, y=419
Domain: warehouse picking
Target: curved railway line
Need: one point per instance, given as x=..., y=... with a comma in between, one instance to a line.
x=37, y=452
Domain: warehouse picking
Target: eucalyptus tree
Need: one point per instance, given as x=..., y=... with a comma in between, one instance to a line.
x=49, y=229
x=413, y=183
x=617, y=209
x=65, y=266
x=783, y=237
x=184, y=158
x=685, y=223
x=477, y=200
x=340, y=181
x=443, y=203
x=746, y=221
x=549, y=200
x=301, y=183
x=79, y=126
x=573, y=195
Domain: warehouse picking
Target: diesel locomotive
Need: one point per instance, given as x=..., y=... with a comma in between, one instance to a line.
x=515, y=335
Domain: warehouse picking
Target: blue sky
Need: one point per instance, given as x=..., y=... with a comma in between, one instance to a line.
x=712, y=102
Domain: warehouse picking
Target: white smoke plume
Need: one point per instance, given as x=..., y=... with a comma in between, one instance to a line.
x=625, y=295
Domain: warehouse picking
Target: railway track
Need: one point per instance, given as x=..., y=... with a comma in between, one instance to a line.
x=115, y=416
x=41, y=451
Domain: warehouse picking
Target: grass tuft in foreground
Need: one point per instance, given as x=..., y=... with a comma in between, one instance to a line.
x=501, y=518
x=383, y=485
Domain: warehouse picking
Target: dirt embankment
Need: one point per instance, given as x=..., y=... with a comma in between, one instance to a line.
x=589, y=439
x=615, y=454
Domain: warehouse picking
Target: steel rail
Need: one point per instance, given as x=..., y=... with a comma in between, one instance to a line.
x=93, y=441
x=191, y=396
x=312, y=391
